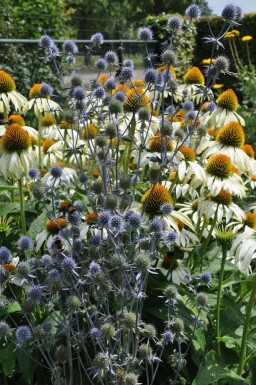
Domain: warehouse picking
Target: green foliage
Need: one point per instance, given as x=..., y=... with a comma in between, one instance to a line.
x=183, y=43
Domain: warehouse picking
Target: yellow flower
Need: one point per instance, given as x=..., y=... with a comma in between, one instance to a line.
x=207, y=61
x=247, y=38
x=235, y=32
x=248, y=149
x=163, y=68
x=229, y=35
x=217, y=86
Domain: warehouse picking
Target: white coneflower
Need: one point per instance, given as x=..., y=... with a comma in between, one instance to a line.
x=9, y=95
x=173, y=268
x=42, y=104
x=229, y=141
x=243, y=249
x=220, y=175
x=189, y=171
x=15, y=150
x=193, y=86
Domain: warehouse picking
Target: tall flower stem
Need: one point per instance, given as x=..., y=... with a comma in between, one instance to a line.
x=22, y=207
x=223, y=261
x=246, y=327
x=129, y=147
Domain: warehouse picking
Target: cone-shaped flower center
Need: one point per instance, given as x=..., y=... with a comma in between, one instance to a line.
x=35, y=91
x=47, y=144
x=48, y=120
x=194, y=76
x=7, y=84
x=54, y=225
x=169, y=262
x=15, y=139
x=16, y=119
x=188, y=153
x=248, y=149
x=156, y=143
x=223, y=198
x=228, y=100
x=250, y=220
x=220, y=165
x=231, y=135
x=135, y=99
x=90, y=131
x=154, y=198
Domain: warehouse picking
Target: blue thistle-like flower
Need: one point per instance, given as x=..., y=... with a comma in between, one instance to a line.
x=99, y=92
x=79, y=93
x=116, y=223
x=70, y=47
x=97, y=38
x=101, y=64
x=103, y=218
x=191, y=115
x=193, y=11
x=46, y=326
x=94, y=267
x=68, y=264
x=95, y=240
x=239, y=13
x=126, y=74
x=56, y=171
x=150, y=76
x=168, y=337
x=171, y=237
x=120, y=96
x=110, y=84
x=5, y=254
x=46, y=41
x=145, y=34
x=128, y=63
x=80, y=106
x=229, y=12
x=35, y=292
x=46, y=90
x=46, y=261
x=83, y=177
x=174, y=23
x=111, y=57
x=33, y=173
x=53, y=275
x=211, y=106
x=25, y=243
x=23, y=334
x=135, y=220
x=79, y=204
x=188, y=106
x=156, y=226
x=166, y=208
x=71, y=59
x=171, y=110
x=95, y=333
x=205, y=276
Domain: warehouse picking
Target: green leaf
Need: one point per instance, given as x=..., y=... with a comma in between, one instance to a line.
x=231, y=317
x=37, y=225
x=7, y=187
x=13, y=307
x=7, y=359
x=210, y=371
x=8, y=208
x=27, y=366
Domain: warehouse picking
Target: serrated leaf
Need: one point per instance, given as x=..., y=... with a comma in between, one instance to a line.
x=37, y=225
x=210, y=371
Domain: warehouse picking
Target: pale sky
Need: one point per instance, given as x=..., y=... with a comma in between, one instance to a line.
x=246, y=5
